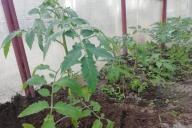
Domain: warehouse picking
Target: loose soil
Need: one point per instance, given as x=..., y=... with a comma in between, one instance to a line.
x=164, y=109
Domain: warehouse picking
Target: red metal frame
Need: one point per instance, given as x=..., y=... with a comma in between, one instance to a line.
x=12, y=22
x=164, y=11
x=124, y=17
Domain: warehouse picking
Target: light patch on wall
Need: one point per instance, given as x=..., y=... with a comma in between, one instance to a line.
x=134, y=4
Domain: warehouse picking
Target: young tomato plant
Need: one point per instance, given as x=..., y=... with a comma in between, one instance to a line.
x=53, y=25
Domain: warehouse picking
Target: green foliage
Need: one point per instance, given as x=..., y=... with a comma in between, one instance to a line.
x=97, y=124
x=53, y=24
x=72, y=58
x=34, y=108
x=26, y=125
x=44, y=92
x=96, y=106
x=69, y=110
x=89, y=72
x=175, y=30
x=113, y=92
x=148, y=63
x=7, y=41
x=36, y=80
x=110, y=124
x=48, y=122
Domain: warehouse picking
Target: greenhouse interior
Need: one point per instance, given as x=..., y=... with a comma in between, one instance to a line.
x=96, y=64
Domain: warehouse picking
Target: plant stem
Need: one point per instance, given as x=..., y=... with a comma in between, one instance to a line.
x=52, y=94
x=95, y=114
x=65, y=44
x=66, y=50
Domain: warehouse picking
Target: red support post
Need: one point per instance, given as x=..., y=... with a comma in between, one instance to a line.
x=124, y=17
x=164, y=11
x=12, y=22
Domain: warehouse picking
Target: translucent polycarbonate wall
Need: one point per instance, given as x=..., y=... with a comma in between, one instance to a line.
x=104, y=14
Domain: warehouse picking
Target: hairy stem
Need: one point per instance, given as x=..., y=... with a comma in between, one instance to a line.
x=52, y=94
x=66, y=51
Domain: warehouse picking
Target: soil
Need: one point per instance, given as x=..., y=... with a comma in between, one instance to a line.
x=154, y=110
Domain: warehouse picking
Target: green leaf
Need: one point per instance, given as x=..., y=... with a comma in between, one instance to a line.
x=71, y=59
x=34, y=108
x=89, y=72
x=7, y=41
x=27, y=125
x=36, y=80
x=68, y=110
x=99, y=52
x=96, y=106
x=110, y=124
x=86, y=32
x=70, y=12
x=40, y=67
x=97, y=124
x=44, y=92
x=78, y=21
x=48, y=122
x=40, y=42
x=86, y=93
x=29, y=37
x=85, y=113
x=71, y=33
x=72, y=84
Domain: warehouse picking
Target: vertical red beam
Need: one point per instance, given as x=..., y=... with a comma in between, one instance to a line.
x=124, y=17
x=12, y=22
x=164, y=11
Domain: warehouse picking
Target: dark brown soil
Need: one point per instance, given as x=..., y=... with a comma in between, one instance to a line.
x=125, y=114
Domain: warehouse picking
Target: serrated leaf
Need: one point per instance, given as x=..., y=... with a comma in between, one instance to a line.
x=71, y=59
x=97, y=124
x=68, y=110
x=110, y=124
x=99, y=52
x=34, y=108
x=29, y=37
x=27, y=125
x=44, y=92
x=89, y=72
x=86, y=32
x=96, y=106
x=48, y=122
x=7, y=41
x=40, y=67
x=36, y=80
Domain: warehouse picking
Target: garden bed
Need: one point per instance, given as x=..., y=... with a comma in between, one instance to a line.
x=149, y=112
